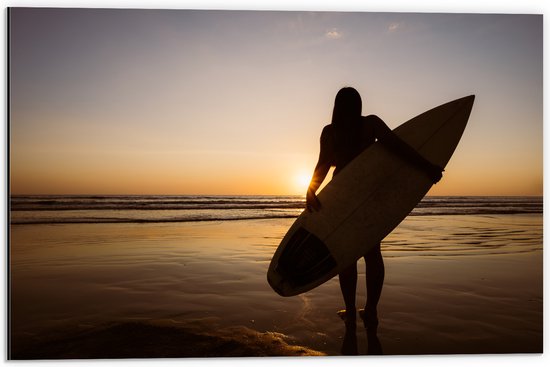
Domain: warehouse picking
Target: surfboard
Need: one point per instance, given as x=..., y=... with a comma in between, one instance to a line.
x=365, y=202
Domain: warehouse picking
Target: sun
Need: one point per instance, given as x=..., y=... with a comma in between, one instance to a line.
x=302, y=180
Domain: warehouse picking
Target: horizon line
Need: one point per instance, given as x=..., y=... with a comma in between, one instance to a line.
x=303, y=195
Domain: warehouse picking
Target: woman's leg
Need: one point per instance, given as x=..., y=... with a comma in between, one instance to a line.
x=375, y=272
x=348, y=284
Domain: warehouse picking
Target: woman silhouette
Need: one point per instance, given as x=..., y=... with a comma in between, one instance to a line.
x=348, y=135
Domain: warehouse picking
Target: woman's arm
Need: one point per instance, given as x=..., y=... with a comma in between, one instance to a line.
x=387, y=137
x=312, y=202
x=321, y=170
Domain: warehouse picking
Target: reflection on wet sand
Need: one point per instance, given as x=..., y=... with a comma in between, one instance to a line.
x=374, y=347
x=350, y=346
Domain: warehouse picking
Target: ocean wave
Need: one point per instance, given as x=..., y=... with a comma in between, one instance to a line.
x=144, y=220
x=37, y=203
x=159, y=209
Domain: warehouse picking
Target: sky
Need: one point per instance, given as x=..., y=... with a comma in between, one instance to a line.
x=233, y=102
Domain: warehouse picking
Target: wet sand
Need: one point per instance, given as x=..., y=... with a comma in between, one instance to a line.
x=454, y=285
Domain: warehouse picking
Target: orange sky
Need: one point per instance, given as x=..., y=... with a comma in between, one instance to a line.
x=214, y=102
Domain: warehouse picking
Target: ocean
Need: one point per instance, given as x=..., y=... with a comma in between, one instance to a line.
x=66, y=209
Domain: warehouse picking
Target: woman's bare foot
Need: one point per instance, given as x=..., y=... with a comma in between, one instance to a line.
x=348, y=317
x=370, y=318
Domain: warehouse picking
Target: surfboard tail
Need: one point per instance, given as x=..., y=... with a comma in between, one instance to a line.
x=304, y=260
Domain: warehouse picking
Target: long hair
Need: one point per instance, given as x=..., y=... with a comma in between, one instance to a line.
x=347, y=107
x=346, y=118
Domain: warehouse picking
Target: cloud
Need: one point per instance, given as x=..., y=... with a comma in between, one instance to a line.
x=333, y=34
x=394, y=27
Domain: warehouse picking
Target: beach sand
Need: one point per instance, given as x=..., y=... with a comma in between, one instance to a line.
x=454, y=285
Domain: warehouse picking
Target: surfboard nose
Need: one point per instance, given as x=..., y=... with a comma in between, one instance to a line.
x=469, y=100
x=465, y=103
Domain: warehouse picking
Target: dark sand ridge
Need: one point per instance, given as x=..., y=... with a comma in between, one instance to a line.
x=162, y=339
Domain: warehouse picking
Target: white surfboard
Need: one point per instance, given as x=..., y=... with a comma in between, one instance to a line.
x=365, y=202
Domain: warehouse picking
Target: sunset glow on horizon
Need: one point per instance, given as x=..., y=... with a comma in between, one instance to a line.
x=106, y=101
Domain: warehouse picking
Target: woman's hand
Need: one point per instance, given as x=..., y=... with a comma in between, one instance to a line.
x=435, y=172
x=312, y=202
x=395, y=143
